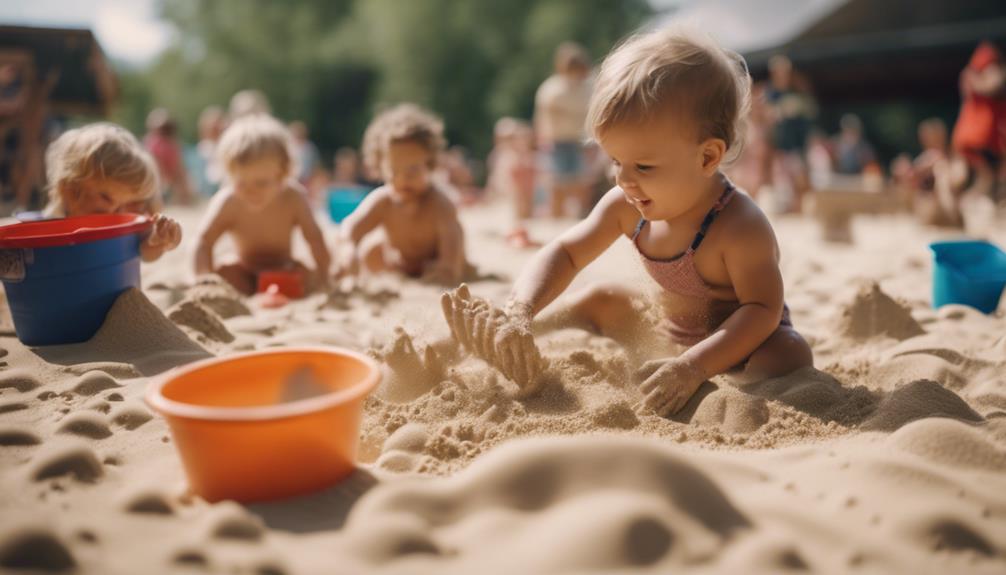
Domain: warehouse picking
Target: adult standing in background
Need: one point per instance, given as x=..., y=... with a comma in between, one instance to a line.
x=980, y=132
x=793, y=112
x=559, y=114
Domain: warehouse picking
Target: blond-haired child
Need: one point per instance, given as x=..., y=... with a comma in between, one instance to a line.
x=260, y=207
x=415, y=225
x=101, y=168
x=668, y=108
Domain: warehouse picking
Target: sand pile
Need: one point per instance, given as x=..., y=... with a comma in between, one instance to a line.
x=873, y=313
x=135, y=332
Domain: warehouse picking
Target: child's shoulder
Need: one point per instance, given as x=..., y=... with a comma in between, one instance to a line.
x=742, y=220
x=614, y=206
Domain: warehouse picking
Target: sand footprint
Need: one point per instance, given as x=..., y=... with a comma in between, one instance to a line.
x=18, y=436
x=78, y=461
x=99, y=405
x=12, y=406
x=19, y=379
x=193, y=558
x=90, y=425
x=35, y=549
x=148, y=502
x=232, y=522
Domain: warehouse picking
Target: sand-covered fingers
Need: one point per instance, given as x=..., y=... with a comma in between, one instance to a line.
x=503, y=342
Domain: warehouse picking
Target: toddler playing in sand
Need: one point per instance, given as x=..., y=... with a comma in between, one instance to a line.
x=260, y=207
x=668, y=108
x=415, y=225
x=102, y=169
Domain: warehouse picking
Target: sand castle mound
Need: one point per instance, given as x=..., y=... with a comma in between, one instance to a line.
x=135, y=332
x=874, y=313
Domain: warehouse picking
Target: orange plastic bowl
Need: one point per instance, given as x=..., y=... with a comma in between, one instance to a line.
x=240, y=439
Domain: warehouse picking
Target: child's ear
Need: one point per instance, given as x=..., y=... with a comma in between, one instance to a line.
x=713, y=151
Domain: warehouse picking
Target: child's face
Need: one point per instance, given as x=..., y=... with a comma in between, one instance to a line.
x=259, y=182
x=102, y=197
x=660, y=165
x=407, y=167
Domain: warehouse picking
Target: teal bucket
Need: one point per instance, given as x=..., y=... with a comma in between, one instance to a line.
x=968, y=272
x=342, y=201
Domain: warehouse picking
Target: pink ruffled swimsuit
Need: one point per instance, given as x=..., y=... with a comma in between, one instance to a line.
x=678, y=275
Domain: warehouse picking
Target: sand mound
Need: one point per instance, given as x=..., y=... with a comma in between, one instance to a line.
x=19, y=379
x=72, y=459
x=95, y=382
x=918, y=400
x=733, y=410
x=874, y=313
x=90, y=425
x=199, y=318
x=653, y=508
x=219, y=296
x=951, y=443
x=134, y=332
x=818, y=394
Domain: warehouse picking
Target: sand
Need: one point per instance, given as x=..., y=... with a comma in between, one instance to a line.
x=890, y=457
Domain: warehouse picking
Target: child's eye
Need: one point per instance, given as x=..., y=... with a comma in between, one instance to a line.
x=643, y=169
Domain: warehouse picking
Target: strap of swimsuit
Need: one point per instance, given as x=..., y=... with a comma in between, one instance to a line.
x=721, y=203
x=639, y=228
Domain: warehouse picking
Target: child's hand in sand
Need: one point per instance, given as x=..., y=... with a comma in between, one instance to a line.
x=503, y=341
x=668, y=384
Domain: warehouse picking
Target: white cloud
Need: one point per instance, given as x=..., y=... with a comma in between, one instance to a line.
x=127, y=29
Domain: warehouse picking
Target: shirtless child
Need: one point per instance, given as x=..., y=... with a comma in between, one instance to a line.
x=415, y=225
x=260, y=207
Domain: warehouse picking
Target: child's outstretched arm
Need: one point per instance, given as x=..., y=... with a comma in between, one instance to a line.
x=314, y=238
x=215, y=224
x=364, y=219
x=553, y=268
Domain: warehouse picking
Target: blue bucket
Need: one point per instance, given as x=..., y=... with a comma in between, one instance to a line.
x=972, y=273
x=342, y=201
x=62, y=276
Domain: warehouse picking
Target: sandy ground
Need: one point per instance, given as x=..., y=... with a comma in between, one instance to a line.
x=891, y=458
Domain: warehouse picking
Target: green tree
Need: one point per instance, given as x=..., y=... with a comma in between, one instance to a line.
x=333, y=63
